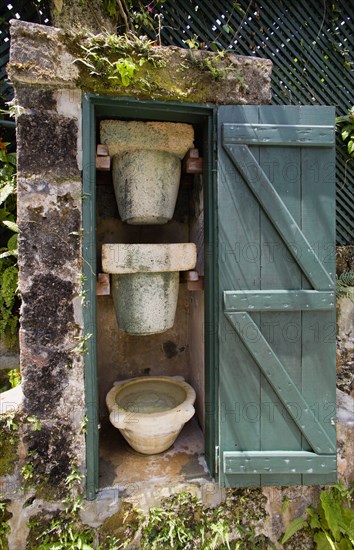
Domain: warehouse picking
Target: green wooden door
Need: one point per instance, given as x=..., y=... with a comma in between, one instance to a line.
x=276, y=271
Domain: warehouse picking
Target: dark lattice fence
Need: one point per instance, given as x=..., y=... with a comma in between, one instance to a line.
x=310, y=43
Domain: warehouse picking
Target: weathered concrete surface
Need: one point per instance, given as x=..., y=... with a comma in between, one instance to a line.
x=148, y=258
x=345, y=321
x=345, y=344
x=121, y=136
x=53, y=140
x=45, y=55
x=54, y=66
x=345, y=437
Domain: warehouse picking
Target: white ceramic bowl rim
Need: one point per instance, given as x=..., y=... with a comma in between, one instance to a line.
x=189, y=400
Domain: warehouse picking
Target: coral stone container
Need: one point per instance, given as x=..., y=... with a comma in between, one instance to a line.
x=146, y=167
x=150, y=411
x=145, y=283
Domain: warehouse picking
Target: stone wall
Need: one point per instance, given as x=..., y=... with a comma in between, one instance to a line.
x=49, y=219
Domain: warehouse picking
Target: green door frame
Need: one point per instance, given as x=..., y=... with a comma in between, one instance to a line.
x=95, y=106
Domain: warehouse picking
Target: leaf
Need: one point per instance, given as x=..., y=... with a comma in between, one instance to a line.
x=11, y=225
x=346, y=131
x=345, y=544
x=315, y=522
x=333, y=512
x=351, y=147
x=285, y=504
x=323, y=542
x=12, y=243
x=296, y=525
x=5, y=192
x=11, y=158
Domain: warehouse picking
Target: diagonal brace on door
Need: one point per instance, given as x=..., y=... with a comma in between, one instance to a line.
x=283, y=385
x=280, y=217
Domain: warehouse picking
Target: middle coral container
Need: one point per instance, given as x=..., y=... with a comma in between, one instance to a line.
x=145, y=283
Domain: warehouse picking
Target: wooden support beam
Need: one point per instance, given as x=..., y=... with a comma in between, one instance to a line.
x=102, y=150
x=196, y=285
x=103, y=285
x=192, y=162
x=194, y=166
x=191, y=275
x=103, y=163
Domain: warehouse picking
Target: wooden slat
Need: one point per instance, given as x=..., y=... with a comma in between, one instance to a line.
x=292, y=399
x=279, y=134
x=236, y=229
x=280, y=216
x=278, y=300
x=277, y=462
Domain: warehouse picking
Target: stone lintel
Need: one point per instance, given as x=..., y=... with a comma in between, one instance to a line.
x=45, y=56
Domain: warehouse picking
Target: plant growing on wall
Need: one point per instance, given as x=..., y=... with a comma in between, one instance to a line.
x=331, y=524
x=8, y=247
x=117, y=58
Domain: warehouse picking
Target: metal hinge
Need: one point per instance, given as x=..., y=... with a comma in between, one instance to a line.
x=217, y=459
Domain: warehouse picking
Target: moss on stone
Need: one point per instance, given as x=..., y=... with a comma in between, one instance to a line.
x=123, y=525
x=249, y=504
x=164, y=73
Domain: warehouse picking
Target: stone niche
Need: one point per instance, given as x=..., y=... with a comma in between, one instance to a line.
x=49, y=84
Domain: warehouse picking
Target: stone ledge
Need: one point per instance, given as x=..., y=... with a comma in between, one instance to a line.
x=38, y=54
x=46, y=56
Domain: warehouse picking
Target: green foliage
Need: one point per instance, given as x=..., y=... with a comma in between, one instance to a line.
x=59, y=533
x=182, y=522
x=331, y=524
x=344, y=283
x=345, y=125
x=117, y=58
x=4, y=526
x=14, y=378
x=9, y=378
x=9, y=439
x=8, y=248
x=64, y=530
x=213, y=64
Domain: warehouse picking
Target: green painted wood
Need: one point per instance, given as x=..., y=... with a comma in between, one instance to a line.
x=89, y=288
x=262, y=414
x=278, y=300
x=280, y=216
x=239, y=267
x=279, y=270
x=299, y=410
x=278, y=462
x=280, y=134
x=211, y=303
x=318, y=337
